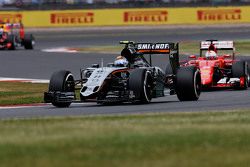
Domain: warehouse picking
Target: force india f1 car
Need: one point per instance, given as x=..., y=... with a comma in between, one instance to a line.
x=13, y=36
x=136, y=83
x=221, y=71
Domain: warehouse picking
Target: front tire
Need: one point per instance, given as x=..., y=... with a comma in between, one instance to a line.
x=140, y=82
x=188, y=83
x=61, y=81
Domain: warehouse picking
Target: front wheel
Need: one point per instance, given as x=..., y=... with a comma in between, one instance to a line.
x=61, y=81
x=188, y=83
x=140, y=82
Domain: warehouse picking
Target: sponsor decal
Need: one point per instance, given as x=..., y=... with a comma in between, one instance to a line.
x=219, y=15
x=146, y=16
x=11, y=18
x=72, y=18
x=158, y=46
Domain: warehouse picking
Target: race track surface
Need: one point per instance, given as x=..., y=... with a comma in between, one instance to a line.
x=40, y=65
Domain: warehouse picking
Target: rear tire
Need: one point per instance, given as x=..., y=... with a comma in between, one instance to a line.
x=29, y=41
x=140, y=82
x=61, y=81
x=188, y=83
x=239, y=70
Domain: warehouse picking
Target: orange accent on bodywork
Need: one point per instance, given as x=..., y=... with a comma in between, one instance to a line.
x=154, y=51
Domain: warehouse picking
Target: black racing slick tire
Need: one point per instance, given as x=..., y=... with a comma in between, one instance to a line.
x=61, y=81
x=188, y=83
x=140, y=82
x=239, y=70
x=29, y=41
x=12, y=39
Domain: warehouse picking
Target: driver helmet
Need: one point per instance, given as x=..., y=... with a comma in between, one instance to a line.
x=211, y=54
x=121, y=61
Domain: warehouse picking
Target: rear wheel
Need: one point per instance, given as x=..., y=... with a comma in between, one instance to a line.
x=240, y=70
x=140, y=82
x=61, y=81
x=29, y=41
x=188, y=83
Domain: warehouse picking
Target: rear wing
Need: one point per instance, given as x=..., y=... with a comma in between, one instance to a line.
x=154, y=48
x=219, y=45
x=171, y=49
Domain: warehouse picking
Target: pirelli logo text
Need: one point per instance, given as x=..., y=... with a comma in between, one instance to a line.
x=11, y=18
x=72, y=18
x=219, y=15
x=146, y=16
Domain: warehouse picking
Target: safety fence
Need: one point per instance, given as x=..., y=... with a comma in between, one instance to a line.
x=127, y=17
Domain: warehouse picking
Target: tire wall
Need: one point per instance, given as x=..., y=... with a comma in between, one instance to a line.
x=128, y=17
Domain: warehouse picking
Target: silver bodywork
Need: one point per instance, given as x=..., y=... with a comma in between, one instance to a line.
x=96, y=79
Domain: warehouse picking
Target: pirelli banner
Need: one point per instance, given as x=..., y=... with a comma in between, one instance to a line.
x=117, y=17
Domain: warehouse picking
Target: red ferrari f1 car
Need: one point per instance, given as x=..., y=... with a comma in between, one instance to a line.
x=12, y=35
x=218, y=65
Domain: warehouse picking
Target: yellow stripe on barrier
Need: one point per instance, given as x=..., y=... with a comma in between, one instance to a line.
x=116, y=17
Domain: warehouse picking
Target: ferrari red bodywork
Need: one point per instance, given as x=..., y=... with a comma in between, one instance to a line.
x=217, y=72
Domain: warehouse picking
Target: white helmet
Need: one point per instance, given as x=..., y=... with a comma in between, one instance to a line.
x=121, y=61
x=211, y=54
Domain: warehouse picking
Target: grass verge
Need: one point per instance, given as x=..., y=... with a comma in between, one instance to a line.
x=174, y=139
x=12, y=93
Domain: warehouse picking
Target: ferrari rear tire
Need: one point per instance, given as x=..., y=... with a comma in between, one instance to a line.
x=140, y=82
x=188, y=83
x=239, y=70
x=28, y=41
x=61, y=81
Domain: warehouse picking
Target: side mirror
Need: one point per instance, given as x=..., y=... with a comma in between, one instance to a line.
x=110, y=65
x=192, y=57
x=95, y=65
x=227, y=56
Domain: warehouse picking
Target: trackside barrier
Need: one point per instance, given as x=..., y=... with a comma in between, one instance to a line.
x=123, y=17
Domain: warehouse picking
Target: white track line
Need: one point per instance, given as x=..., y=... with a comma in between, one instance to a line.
x=60, y=50
x=23, y=106
x=5, y=79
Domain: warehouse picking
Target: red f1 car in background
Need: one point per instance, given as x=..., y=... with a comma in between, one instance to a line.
x=13, y=36
x=218, y=66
